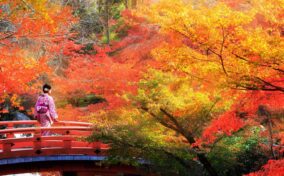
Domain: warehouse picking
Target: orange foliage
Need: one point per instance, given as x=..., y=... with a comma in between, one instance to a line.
x=272, y=168
x=23, y=50
x=141, y=38
x=101, y=75
x=69, y=113
x=226, y=124
x=18, y=69
x=111, y=77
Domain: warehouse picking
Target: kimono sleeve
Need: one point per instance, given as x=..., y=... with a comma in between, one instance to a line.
x=52, y=109
x=35, y=110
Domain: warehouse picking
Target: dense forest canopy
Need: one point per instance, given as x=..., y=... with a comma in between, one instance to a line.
x=194, y=87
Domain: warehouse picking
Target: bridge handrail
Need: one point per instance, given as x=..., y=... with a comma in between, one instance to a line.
x=35, y=129
x=67, y=139
x=73, y=138
x=34, y=122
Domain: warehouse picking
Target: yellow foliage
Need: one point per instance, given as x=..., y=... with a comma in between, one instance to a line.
x=218, y=42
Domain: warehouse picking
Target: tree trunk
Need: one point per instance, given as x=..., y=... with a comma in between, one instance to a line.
x=126, y=4
x=207, y=165
x=201, y=156
x=190, y=138
x=263, y=112
x=107, y=31
x=270, y=136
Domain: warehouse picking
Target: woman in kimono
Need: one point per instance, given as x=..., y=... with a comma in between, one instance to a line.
x=45, y=111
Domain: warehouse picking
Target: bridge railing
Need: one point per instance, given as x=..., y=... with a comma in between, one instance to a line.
x=67, y=139
x=11, y=124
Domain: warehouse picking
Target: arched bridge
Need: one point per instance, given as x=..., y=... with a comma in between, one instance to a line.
x=22, y=145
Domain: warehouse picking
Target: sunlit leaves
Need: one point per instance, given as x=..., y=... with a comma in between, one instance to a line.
x=171, y=91
x=18, y=69
x=25, y=43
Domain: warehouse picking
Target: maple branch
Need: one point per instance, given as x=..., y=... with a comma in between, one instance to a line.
x=160, y=120
x=178, y=128
x=257, y=83
x=207, y=114
x=221, y=59
x=223, y=40
x=179, y=32
x=47, y=35
x=209, y=49
x=187, y=134
x=203, y=60
x=255, y=88
x=7, y=35
x=147, y=148
x=180, y=160
x=264, y=65
x=262, y=111
x=194, y=76
x=221, y=50
x=220, y=138
x=28, y=6
x=278, y=88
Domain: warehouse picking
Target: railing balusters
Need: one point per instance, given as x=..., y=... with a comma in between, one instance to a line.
x=37, y=141
x=67, y=142
x=7, y=146
x=10, y=126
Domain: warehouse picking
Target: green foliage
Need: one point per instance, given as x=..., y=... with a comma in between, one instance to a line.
x=116, y=10
x=83, y=101
x=193, y=107
x=92, y=22
x=139, y=140
x=89, y=49
x=113, y=37
x=238, y=154
x=143, y=132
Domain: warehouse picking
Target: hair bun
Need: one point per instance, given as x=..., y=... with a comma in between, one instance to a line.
x=46, y=89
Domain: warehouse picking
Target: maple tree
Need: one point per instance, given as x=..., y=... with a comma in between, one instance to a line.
x=204, y=85
x=273, y=167
x=109, y=72
x=230, y=50
x=29, y=28
x=223, y=51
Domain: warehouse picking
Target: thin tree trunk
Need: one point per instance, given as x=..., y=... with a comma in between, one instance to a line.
x=133, y=3
x=126, y=4
x=190, y=138
x=262, y=111
x=107, y=31
x=201, y=156
x=270, y=136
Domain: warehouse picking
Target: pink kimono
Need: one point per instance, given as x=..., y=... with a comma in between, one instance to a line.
x=45, y=112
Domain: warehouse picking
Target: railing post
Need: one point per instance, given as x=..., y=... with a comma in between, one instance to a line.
x=10, y=126
x=7, y=147
x=67, y=143
x=37, y=141
x=37, y=124
x=97, y=147
x=46, y=145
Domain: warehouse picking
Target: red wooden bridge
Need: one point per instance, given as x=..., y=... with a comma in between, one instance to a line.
x=65, y=150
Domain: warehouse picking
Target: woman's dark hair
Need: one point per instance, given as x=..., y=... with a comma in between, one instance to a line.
x=46, y=88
